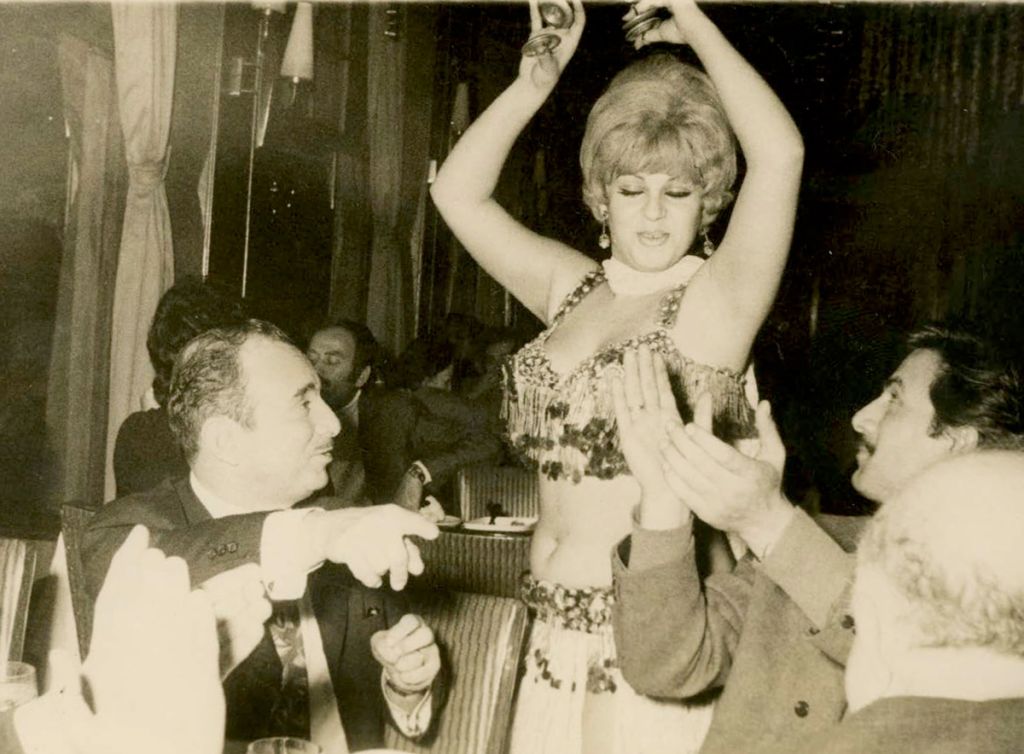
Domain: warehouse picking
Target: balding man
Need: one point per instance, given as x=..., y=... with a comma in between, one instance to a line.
x=245, y=406
x=937, y=665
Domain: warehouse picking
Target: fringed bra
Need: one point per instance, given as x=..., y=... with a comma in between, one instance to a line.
x=564, y=425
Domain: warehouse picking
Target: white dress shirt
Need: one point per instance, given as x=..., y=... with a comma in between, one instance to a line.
x=285, y=579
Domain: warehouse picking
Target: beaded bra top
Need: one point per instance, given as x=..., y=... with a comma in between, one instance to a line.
x=564, y=425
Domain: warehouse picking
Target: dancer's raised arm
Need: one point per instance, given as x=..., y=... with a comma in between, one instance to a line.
x=536, y=270
x=742, y=277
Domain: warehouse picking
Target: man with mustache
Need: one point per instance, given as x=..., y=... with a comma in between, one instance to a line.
x=396, y=445
x=776, y=631
x=335, y=657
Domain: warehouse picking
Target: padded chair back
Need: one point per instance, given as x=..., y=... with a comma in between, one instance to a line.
x=474, y=562
x=515, y=489
x=17, y=570
x=482, y=639
x=74, y=518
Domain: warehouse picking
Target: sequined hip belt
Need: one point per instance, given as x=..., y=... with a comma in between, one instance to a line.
x=588, y=609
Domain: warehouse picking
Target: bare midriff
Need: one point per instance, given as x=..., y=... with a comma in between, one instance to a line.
x=579, y=526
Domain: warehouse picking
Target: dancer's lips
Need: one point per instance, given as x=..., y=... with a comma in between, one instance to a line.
x=652, y=238
x=864, y=452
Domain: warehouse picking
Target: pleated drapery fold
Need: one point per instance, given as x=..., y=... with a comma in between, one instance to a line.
x=145, y=40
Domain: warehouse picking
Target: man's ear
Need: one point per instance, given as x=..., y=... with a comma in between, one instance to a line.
x=962, y=439
x=220, y=438
x=364, y=376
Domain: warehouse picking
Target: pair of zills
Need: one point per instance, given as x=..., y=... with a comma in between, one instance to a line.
x=557, y=16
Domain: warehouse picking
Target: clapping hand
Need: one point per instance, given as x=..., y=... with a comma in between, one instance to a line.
x=726, y=488
x=152, y=664
x=241, y=607
x=544, y=70
x=409, y=655
x=645, y=410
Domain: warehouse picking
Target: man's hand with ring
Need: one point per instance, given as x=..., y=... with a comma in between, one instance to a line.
x=409, y=655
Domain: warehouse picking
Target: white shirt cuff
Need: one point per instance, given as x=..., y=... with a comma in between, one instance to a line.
x=282, y=550
x=412, y=724
x=427, y=478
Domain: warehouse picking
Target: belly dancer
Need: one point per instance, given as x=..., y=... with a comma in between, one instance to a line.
x=659, y=161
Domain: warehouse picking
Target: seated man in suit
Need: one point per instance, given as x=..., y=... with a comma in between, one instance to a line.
x=245, y=406
x=776, y=630
x=408, y=443
x=937, y=664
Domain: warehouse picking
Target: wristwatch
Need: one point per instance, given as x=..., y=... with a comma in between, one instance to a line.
x=418, y=470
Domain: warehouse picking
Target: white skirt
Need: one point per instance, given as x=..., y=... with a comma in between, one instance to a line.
x=566, y=665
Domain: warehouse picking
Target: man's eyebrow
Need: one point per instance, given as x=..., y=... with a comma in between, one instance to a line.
x=894, y=382
x=309, y=386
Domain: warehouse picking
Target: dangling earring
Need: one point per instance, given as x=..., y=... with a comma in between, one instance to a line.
x=709, y=248
x=603, y=240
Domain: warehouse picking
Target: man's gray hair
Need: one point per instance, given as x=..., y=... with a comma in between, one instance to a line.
x=950, y=544
x=208, y=380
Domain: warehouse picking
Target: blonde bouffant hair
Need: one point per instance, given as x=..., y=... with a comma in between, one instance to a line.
x=659, y=115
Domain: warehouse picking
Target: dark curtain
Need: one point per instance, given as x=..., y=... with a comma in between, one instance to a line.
x=944, y=89
x=76, y=409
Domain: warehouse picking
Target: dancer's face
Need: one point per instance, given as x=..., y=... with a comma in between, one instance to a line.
x=652, y=219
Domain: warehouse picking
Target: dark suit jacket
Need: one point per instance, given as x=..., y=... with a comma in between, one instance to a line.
x=436, y=427
x=924, y=725
x=347, y=613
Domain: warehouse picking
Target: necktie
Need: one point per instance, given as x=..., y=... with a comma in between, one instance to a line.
x=290, y=713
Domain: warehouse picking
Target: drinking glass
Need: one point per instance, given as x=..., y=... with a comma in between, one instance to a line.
x=283, y=745
x=17, y=684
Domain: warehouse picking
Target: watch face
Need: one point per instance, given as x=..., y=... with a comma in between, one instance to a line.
x=417, y=471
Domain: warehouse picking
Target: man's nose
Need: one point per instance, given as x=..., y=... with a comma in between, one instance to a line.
x=326, y=420
x=865, y=420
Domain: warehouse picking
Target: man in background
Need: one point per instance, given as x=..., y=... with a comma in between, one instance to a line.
x=146, y=452
x=396, y=445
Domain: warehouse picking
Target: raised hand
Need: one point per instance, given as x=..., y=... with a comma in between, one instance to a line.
x=372, y=541
x=645, y=409
x=544, y=70
x=152, y=665
x=241, y=607
x=727, y=489
x=673, y=29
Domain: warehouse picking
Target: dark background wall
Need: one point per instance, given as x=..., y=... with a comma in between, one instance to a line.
x=911, y=208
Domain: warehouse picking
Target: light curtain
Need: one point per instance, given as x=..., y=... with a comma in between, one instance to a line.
x=145, y=39
x=76, y=405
